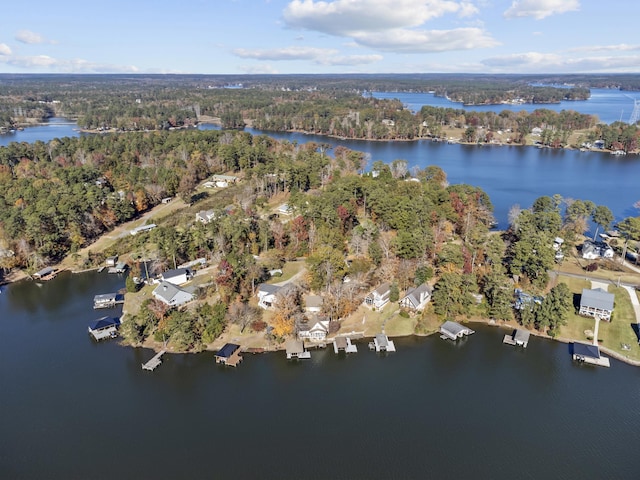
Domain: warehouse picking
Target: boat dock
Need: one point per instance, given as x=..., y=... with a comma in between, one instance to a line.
x=381, y=343
x=518, y=337
x=344, y=344
x=152, y=364
x=107, y=300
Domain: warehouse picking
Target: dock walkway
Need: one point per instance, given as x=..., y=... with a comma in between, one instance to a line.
x=154, y=362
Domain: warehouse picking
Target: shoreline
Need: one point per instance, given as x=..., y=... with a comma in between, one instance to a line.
x=249, y=124
x=270, y=348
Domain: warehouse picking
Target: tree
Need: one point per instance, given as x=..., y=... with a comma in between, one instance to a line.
x=603, y=217
x=325, y=265
x=630, y=230
x=554, y=309
x=287, y=310
x=394, y=292
x=452, y=294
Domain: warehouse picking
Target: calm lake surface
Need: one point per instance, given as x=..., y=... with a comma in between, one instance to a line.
x=74, y=409
x=609, y=105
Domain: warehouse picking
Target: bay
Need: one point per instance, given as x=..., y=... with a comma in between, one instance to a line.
x=608, y=104
x=71, y=408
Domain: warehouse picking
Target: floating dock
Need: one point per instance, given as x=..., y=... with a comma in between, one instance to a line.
x=152, y=364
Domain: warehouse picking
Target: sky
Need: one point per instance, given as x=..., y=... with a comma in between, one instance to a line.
x=312, y=36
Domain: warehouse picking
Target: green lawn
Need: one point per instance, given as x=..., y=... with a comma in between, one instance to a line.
x=612, y=334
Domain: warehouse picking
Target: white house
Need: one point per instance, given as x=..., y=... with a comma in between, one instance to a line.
x=205, y=216
x=596, y=302
x=267, y=295
x=177, y=276
x=593, y=250
x=315, y=330
x=171, y=294
x=379, y=297
x=417, y=298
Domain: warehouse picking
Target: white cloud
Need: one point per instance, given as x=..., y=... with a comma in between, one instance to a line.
x=4, y=49
x=320, y=56
x=40, y=63
x=540, y=9
x=389, y=25
x=287, y=53
x=31, y=38
x=623, y=47
x=426, y=41
x=535, y=62
x=346, y=17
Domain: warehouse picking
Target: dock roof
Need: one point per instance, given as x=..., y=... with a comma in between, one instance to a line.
x=44, y=272
x=228, y=350
x=586, y=350
x=521, y=335
x=382, y=340
x=104, y=322
x=453, y=327
x=294, y=346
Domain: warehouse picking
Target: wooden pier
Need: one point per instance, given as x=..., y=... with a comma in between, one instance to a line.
x=152, y=364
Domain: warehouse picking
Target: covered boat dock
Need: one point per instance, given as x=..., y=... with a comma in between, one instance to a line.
x=105, y=327
x=229, y=355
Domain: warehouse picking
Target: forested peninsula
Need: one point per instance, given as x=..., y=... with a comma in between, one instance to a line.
x=247, y=209
x=326, y=105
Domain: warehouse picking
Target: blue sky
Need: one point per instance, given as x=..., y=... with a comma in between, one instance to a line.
x=311, y=36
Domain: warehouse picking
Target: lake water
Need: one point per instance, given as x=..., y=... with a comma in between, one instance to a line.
x=609, y=105
x=71, y=408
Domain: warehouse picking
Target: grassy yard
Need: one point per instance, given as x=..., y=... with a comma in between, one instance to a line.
x=612, y=334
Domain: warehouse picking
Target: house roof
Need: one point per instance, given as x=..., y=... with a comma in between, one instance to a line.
x=597, y=298
x=268, y=288
x=414, y=294
x=313, y=301
x=167, y=291
x=175, y=273
x=228, y=350
x=104, y=322
x=383, y=288
x=586, y=350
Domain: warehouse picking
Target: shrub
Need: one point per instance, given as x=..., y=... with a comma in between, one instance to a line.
x=592, y=267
